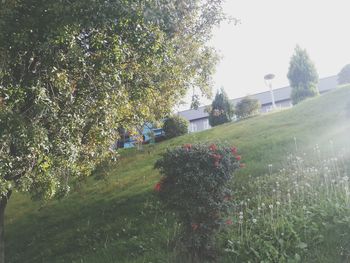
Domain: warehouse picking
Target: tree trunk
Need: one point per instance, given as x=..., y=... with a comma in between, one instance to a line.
x=3, y=203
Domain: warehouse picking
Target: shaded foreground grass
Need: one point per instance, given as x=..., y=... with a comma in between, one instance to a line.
x=117, y=219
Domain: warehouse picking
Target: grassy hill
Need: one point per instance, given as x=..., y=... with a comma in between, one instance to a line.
x=114, y=216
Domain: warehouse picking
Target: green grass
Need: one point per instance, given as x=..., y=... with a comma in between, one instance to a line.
x=117, y=219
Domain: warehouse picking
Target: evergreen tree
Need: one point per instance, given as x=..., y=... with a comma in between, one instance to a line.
x=221, y=110
x=302, y=75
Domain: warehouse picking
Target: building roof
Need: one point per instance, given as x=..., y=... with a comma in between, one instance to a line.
x=280, y=94
x=191, y=114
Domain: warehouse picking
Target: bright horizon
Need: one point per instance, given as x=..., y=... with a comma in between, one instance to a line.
x=266, y=36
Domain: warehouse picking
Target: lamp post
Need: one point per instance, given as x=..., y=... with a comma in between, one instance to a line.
x=268, y=81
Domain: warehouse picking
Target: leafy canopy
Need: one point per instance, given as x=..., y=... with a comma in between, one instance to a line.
x=302, y=76
x=73, y=72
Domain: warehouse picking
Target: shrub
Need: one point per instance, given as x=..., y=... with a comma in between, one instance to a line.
x=344, y=75
x=175, y=126
x=194, y=185
x=247, y=107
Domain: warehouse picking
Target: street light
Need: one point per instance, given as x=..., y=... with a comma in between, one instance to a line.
x=268, y=81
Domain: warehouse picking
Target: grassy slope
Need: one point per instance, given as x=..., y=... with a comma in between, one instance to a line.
x=116, y=220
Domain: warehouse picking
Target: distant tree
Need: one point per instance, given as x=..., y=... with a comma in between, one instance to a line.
x=221, y=110
x=175, y=126
x=302, y=75
x=247, y=107
x=344, y=75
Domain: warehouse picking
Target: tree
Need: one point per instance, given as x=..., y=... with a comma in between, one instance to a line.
x=247, y=107
x=302, y=76
x=344, y=75
x=175, y=126
x=221, y=110
x=73, y=72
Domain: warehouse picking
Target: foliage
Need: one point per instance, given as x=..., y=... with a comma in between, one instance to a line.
x=302, y=76
x=72, y=73
x=247, y=107
x=175, y=126
x=221, y=110
x=195, y=185
x=287, y=216
x=344, y=75
x=118, y=219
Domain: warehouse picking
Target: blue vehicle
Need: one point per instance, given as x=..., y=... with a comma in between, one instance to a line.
x=149, y=135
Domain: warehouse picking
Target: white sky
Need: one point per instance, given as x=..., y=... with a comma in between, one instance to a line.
x=265, y=39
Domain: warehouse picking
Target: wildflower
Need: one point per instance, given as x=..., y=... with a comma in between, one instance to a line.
x=278, y=203
x=241, y=217
x=254, y=220
x=234, y=150
x=238, y=157
x=194, y=226
x=157, y=187
x=270, y=206
x=213, y=147
x=263, y=204
x=228, y=222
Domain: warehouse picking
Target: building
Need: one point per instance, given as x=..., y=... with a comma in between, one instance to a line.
x=199, y=119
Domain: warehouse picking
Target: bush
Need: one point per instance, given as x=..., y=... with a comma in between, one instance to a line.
x=194, y=185
x=247, y=107
x=344, y=75
x=175, y=126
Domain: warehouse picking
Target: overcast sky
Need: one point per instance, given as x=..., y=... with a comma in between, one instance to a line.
x=269, y=30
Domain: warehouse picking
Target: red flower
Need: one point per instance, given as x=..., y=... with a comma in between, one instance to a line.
x=234, y=150
x=157, y=187
x=194, y=226
x=242, y=165
x=188, y=146
x=213, y=147
x=228, y=222
x=217, y=157
x=238, y=157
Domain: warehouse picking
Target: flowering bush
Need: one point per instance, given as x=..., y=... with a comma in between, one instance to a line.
x=195, y=185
